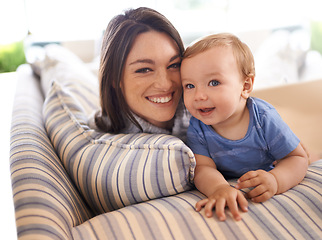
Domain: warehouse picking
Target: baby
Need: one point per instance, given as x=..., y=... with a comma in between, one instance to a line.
x=232, y=134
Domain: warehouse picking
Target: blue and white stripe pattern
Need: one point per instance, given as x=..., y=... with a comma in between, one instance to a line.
x=296, y=214
x=49, y=206
x=113, y=171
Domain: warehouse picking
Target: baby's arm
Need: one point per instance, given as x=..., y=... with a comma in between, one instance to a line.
x=288, y=172
x=210, y=182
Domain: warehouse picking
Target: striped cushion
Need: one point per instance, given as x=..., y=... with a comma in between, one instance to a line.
x=47, y=205
x=296, y=214
x=61, y=65
x=113, y=171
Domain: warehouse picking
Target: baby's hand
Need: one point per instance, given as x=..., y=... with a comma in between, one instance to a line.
x=224, y=195
x=264, y=184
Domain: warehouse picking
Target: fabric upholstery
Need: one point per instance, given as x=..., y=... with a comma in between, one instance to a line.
x=46, y=203
x=56, y=63
x=147, y=166
x=113, y=171
x=296, y=214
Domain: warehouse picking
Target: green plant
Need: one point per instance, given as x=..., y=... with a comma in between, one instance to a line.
x=316, y=36
x=11, y=56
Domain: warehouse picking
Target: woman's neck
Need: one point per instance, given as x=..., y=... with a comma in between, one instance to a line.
x=168, y=125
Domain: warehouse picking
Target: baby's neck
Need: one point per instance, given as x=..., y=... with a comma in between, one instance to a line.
x=236, y=128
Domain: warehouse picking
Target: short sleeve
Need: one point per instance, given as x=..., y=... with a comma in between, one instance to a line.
x=279, y=136
x=196, y=138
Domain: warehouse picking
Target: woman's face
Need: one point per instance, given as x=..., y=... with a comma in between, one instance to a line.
x=151, y=78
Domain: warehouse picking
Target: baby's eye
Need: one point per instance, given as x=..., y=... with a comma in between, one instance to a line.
x=189, y=86
x=214, y=83
x=175, y=65
x=143, y=70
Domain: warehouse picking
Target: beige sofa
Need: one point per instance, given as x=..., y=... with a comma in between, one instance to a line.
x=72, y=182
x=300, y=105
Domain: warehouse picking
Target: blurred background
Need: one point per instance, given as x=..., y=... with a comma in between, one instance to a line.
x=284, y=33
x=86, y=19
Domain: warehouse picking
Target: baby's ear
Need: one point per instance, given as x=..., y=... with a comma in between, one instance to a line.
x=248, y=86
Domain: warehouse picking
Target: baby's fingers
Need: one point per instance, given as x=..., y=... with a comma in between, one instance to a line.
x=248, y=180
x=242, y=201
x=200, y=204
x=261, y=198
x=220, y=209
x=248, y=175
x=233, y=207
x=260, y=194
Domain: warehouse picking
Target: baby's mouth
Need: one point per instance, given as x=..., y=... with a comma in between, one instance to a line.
x=163, y=99
x=206, y=110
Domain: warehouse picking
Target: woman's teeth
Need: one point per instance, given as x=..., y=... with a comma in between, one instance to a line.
x=160, y=99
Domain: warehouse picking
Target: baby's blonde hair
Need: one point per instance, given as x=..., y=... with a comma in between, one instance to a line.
x=241, y=51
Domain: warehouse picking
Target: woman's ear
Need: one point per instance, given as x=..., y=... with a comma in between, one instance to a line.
x=248, y=86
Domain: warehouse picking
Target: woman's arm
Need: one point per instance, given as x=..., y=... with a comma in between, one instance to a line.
x=211, y=182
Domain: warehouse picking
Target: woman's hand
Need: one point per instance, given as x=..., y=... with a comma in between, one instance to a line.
x=223, y=196
x=264, y=183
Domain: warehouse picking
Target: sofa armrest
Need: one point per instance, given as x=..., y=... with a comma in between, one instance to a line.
x=47, y=205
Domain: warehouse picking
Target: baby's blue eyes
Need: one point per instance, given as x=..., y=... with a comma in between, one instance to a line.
x=189, y=86
x=213, y=83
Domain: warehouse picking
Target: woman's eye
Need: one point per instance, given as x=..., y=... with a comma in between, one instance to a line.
x=143, y=70
x=213, y=83
x=175, y=65
x=189, y=86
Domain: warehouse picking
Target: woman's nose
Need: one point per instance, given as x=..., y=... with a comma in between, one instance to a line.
x=163, y=80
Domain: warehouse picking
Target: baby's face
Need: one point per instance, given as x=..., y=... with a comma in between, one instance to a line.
x=212, y=86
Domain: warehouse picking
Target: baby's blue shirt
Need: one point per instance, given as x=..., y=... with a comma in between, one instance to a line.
x=268, y=139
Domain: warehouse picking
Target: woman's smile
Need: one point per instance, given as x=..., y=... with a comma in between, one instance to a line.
x=160, y=99
x=151, y=84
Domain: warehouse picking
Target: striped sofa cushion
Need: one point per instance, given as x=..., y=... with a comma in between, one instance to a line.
x=296, y=214
x=113, y=171
x=47, y=205
x=56, y=63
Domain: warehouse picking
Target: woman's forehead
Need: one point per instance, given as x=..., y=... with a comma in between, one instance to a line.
x=153, y=45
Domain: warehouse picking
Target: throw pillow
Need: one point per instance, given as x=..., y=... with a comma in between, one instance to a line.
x=113, y=171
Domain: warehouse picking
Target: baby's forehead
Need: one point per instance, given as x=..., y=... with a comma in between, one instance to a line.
x=196, y=49
x=209, y=51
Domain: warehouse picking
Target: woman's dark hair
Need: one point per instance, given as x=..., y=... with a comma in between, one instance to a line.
x=118, y=39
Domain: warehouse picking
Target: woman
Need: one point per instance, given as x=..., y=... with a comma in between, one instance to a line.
x=140, y=86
